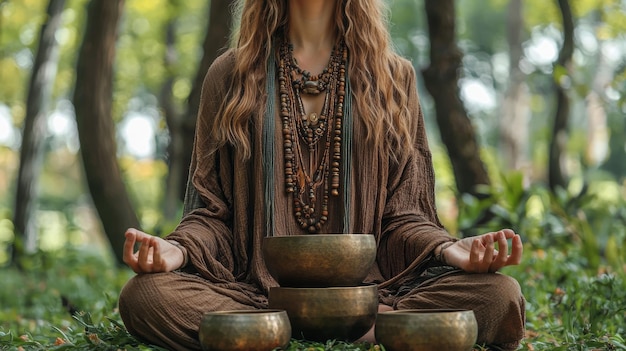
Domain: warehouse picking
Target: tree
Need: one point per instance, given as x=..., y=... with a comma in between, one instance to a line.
x=441, y=81
x=37, y=101
x=182, y=127
x=513, y=123
x=562, y=80
x=173, y=118
x=96, y=129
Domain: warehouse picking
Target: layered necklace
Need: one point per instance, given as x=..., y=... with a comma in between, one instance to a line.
x=304, y=131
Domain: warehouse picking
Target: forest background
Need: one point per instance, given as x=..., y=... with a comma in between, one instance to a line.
x=524, y=104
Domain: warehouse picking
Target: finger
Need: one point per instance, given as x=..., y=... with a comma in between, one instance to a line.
x=517, y=249
x=143, y=257
x=129, y=245
x=156, y=255
x=488, y=256
x=129, y=250
x=503, y=253
x=508, y=233
x=477, y=247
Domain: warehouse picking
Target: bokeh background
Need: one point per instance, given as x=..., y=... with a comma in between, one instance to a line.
x=524, y=105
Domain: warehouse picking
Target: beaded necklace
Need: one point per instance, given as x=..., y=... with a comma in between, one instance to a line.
x=301, y=129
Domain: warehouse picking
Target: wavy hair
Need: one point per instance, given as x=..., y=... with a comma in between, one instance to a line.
x=373, y=65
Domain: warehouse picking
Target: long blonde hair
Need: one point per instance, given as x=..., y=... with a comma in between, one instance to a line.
x=373, y=66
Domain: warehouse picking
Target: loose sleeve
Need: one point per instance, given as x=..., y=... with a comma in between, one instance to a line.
x=204, y=230
x=411, y=229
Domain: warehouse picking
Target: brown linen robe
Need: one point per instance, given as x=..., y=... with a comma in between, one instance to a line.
x=224, y=225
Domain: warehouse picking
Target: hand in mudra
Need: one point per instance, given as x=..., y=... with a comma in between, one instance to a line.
x=478, y=254
x=154, y=254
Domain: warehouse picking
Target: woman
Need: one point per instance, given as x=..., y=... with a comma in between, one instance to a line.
x=312, y=124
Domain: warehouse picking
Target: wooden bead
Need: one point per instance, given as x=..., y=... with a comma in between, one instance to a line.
x=316, y=131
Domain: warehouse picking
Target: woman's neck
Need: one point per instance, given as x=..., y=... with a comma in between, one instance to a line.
x=311, y=26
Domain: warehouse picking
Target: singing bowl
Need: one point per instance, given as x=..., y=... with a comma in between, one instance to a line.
x=320, y=314
x=426, y=330
x=319, y=260
x=253, y=330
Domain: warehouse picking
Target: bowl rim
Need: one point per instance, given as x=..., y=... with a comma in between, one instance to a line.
x=426, y=311
x=362, y=286
x=245, y=312
x=312, y=236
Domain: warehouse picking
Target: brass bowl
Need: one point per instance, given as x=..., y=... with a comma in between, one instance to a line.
x=254, y=330
x=320, y=314
x=319, y=260
x=426, y=330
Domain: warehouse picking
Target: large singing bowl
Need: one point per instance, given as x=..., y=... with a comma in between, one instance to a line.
x=319, y=260
x=250, y=330
x=320, y=314
x=426, y=330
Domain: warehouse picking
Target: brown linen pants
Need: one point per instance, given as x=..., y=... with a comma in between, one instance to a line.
x=165, y=309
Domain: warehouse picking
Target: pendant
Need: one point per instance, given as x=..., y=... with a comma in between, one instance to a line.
x=311, y=87
x=313, y=118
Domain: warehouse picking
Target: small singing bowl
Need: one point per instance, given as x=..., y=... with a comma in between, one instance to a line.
x=320, y=314
x=426, y=330
x=254, y=330
x=319, y=260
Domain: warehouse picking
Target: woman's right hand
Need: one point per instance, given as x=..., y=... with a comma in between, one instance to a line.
x=153, y=255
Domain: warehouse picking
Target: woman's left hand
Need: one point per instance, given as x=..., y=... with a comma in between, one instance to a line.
x=478, y=254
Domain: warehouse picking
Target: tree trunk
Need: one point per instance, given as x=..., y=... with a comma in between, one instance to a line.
x=556, y=176
x=441, y=80
x=515, y=111
x=216, y=40
x=597, y=151
x=173, y=118
x=182, y=126
x=33, y=135
x=96, y=129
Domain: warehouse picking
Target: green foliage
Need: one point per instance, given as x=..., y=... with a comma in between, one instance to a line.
x=407, y=29
x=590, y=214
x=568, y=306
x=141, y=51
x=102, y=336
x=44, y=309
x=331, y=345
x=482, y=24
x=573, y=274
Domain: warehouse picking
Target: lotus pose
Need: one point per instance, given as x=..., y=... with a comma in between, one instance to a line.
x=312, y=124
